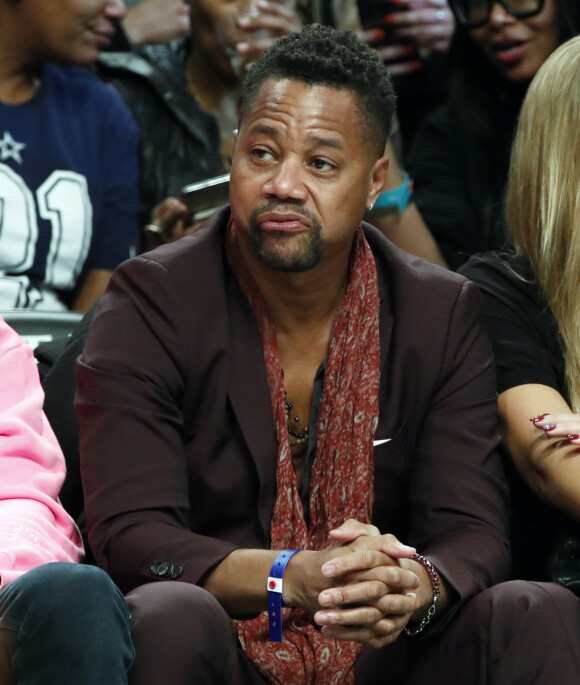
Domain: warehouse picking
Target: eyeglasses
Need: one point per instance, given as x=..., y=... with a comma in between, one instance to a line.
x=475, y=13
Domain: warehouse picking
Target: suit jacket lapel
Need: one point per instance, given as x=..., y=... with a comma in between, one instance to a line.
x=250, y=398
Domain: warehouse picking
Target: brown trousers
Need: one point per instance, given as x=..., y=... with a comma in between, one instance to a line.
x=516, y=633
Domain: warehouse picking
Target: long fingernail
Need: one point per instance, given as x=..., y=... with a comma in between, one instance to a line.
x=539, y=417
x=573, y=437
x=549, y=427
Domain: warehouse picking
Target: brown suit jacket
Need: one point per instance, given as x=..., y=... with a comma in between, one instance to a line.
x=178, y=446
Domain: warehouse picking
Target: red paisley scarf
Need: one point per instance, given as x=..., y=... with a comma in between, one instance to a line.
x=342, y=472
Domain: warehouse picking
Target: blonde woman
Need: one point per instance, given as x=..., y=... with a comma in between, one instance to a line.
x=532, y=310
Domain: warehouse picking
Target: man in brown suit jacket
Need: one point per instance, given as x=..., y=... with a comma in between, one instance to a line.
x=287, y=379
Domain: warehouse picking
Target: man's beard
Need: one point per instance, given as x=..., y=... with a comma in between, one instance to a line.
x=274, y=253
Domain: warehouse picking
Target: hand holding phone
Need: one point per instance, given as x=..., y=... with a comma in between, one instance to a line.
x=175, y=218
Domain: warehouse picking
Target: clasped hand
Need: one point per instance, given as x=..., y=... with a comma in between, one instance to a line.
x=358, y=590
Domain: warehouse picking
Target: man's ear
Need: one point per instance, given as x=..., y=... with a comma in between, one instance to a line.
x=377, y=180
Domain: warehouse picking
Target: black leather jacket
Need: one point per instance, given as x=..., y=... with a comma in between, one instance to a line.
x=180, y=142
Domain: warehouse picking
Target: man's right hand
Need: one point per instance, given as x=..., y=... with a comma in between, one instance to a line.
x=357, y=591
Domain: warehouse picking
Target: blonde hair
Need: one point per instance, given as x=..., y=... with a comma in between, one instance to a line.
x=543, y=195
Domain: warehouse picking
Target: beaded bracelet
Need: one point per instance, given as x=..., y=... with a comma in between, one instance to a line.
x=435, y=586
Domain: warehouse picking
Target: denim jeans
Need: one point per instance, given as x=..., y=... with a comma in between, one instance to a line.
x=64, y=624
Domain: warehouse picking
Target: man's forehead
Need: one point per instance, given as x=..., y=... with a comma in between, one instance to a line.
x=291, y=101
x=279, y=89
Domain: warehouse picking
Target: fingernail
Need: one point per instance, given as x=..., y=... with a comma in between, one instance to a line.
x=573, y=437
x=539, y=417
x=549, y=427
x=389, y=19
x=412, y=550
x=416, y=65
x=325, y=598
x=242, y=48
x=329, y=569
x=377, y=34
x=407, y=49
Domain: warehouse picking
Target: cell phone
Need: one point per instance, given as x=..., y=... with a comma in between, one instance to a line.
x=372, y=12
x=204, y=197
x=372, y=15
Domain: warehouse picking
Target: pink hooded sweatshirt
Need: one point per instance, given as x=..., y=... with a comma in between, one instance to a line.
x=34, y=527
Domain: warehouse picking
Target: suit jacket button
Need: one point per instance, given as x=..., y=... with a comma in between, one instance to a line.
x=160, y=568
x=175, y=571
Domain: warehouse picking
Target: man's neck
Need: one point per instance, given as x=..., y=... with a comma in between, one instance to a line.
x=300, y=304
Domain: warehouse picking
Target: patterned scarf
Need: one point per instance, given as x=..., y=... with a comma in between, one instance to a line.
x=342, y=472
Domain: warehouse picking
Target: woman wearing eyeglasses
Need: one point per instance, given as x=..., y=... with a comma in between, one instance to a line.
x=460, y=157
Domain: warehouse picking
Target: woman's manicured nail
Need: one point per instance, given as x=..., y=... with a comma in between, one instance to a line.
x=549, y=427
x=572, y=437
x=539, y=417
x=377, y=34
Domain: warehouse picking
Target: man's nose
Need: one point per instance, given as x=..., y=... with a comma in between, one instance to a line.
x=115, y=9
x=287, y=181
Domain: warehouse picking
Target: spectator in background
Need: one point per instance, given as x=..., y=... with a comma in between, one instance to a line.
x=413, y=38
x=460, y=157
x=60, y=623
x=531, y=306
x=68, y=156
x=184, y=95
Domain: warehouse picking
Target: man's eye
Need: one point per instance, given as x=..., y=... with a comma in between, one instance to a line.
x=262, y=153
x=322, y=165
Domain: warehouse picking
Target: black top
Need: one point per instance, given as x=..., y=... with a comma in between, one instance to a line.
x=520, y=323
x=180, y=142
x=527, y=350
x=460, y=175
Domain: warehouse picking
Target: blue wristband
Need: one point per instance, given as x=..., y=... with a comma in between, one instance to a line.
x=275, y=585
x=397, y=198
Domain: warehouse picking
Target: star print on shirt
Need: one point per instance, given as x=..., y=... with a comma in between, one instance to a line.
x=10, y=148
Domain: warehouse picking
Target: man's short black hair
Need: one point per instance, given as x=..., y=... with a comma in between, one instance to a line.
x=321, y=55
